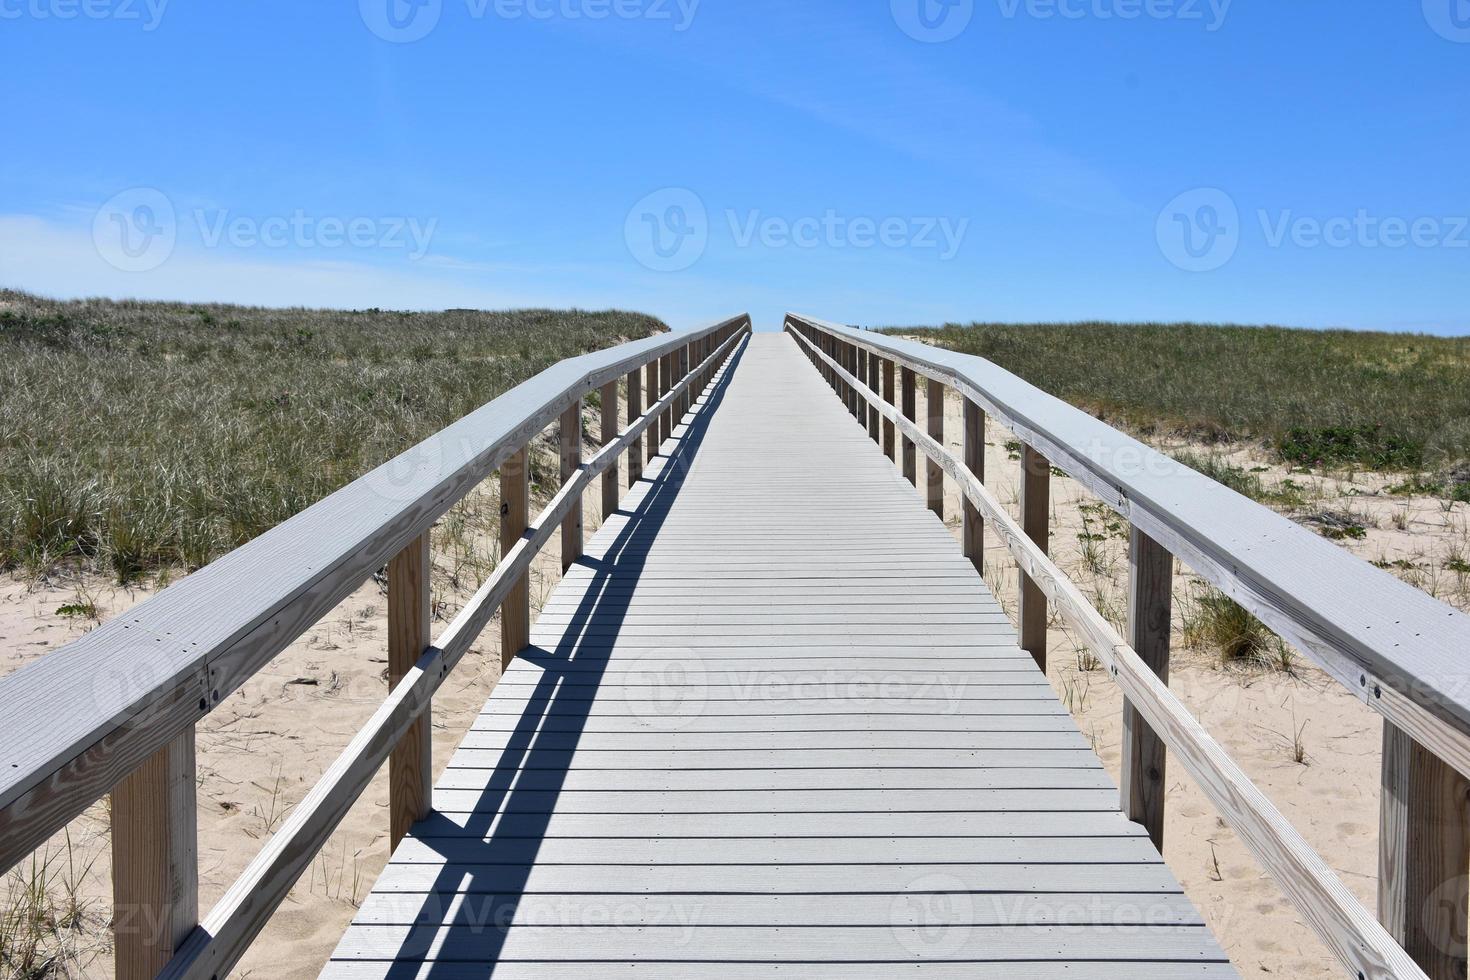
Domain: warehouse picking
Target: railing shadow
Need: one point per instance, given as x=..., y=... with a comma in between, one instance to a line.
x=490, y=873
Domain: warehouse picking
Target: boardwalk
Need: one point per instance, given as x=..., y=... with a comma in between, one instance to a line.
x=775, y=727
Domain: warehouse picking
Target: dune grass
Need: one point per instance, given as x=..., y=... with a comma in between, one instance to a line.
x=146, y=435
x=1377, y=401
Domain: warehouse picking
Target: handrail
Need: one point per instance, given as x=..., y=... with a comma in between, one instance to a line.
x=1398, y=649
x=115, y=711
x=78, y=720
x=1359, y=941
x=226, y=933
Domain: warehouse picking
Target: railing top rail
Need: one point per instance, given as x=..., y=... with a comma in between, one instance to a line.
x=81, y=718
x=1381, y=637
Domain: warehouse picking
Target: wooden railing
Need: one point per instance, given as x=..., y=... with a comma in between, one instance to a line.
x=1400, y=651
x=115, y=712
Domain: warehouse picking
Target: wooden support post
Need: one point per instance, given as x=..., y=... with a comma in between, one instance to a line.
x=855, y=402
x=635, y=411
x=665, y=385
x=650, y=371
x=1035, y=521
x=571, y=461
x=1150, y=608
x=973, y=533
x=155, y=860
x=411, y=763
x=1424, y=855
x=890, y=431
x=860, y=374
x=934, y=406
x=611, y=486
x=515, y=504
x=910, y=412
x=875, y=431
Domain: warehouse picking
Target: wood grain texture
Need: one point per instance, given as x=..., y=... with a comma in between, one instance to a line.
x=1361, y=944
x=411, y=764
x=1397, y=648
x=933, y=475
x=569, y=433
x=137, y=682
x=223, y=937
x=1424, y=856
x=678, y=748
x=890, y=432
x=972, y=532
x=612, y=490
x=515, y=514
x=910, y=412
x=875, y=421
x=1150, y=608
x=155, y=862
x=1036, y=522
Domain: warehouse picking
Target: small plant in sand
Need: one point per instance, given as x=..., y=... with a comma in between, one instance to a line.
x=46, y=928
x=1215, y=622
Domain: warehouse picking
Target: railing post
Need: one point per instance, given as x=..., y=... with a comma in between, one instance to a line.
x=635, y=412
x=1150, y=608
x=665, y=385
x=571, y=461
x=973, y=533
x=410, y=764
x=155, y=860
x=890, y=431
x=610, y=433
x=854, y=401
x=934, y=406
x=1424, y=855
x=1035, y=521
x=650, y=371
x=875, y=385
x=910, y=412
x=515, y=611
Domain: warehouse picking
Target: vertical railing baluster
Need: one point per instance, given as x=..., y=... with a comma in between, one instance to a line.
x=410, y=765
x=1150, y=609
x=155, y=860
x=890, y=430
x=650, y=371
x=973, y=532
x=1035, y=521
x=611, y=480
x=1424, y=855
x=515, y=502
x=910, y=412
x=875, y=430
x=934, y=473
x=571, y=461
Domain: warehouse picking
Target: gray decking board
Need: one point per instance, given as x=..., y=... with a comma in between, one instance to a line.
x=774, y=724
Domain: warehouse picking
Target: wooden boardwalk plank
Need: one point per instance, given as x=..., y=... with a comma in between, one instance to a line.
x=774, y=723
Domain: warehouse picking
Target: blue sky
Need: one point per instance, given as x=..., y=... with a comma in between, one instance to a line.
x=868, y=161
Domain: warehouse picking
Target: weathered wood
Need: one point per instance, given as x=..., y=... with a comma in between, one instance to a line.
x=1362, y=945
x=239, y=916
x=652, y=371
x=224, y=622
x=972, y=534
x=410, y=766
x=910, y=412
x=890, y=432
x=665, y=385
x=1150, y=608
x=933, y=475
x=155, y=861
x=787, y=829
x=1397, y=648
x=611, y=485
x=1424, y=856
x=1036, y=521
x=570, y=440
x=515, y=504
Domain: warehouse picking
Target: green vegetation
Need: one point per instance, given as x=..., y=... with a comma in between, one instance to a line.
x=1318, y=398
x=1215, y=622
x=146, y=435
x=1241, y=480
